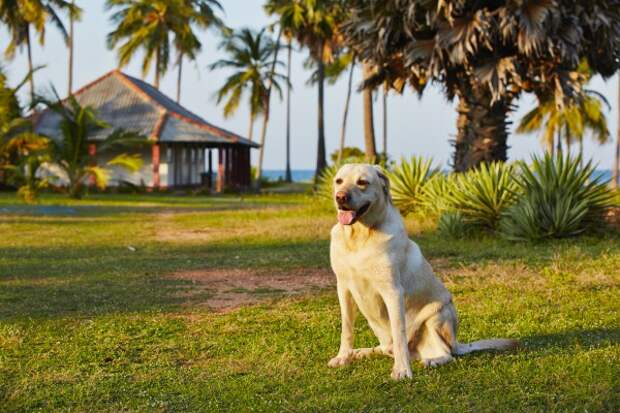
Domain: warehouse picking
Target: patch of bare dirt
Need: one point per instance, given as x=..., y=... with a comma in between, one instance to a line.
x=226, y=289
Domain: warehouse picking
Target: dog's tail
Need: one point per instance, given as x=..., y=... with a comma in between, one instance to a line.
x=497, y=344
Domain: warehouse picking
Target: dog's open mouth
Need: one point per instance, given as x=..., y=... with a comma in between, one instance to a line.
x=347, y=216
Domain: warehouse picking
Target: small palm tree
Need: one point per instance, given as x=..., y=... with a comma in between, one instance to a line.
x=200, y=13
x=250, y=59
x=21, y=16
x=568, y=123
x=70, y=151
x=146, y=25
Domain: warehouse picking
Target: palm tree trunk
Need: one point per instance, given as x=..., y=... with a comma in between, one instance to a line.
x=157, y=63
x=343, y=129
x=267, y=104
x=321, y=161
x=70, y=44
x=288, y=176
x=568, y=137
x=179, y=76
x=369, y=124
x=385, y=126
x=30, y=66
x=559, y=142
x=251, y=130
x=581, y=148
x=481, y=129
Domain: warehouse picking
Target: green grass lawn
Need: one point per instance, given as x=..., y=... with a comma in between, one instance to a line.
x=91, y=319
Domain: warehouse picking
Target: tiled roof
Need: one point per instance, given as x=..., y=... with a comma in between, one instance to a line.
x=129, y=103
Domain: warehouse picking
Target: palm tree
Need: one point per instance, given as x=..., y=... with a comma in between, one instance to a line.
x=569, y=122
x=71, y=154
x=314, y=23
x=485, y=53
x=385, y=123
x=249, y=56
x=200, y=13
x=21, y=16
x=146, y=25
x=347, y=102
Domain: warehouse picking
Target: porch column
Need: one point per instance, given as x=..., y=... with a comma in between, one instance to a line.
x=210, y=171
x=155, y=155
x=219, y=187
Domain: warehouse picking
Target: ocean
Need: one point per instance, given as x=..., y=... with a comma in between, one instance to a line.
x=307, y=175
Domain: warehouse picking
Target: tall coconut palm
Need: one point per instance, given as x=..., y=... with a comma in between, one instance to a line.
x=369, y=121
x=315, y=25
x=147, y=26
x=485, y=53
x=385, y=121
x=21, y=17
x=250, y=57
x=288, y=176
x=201, y=14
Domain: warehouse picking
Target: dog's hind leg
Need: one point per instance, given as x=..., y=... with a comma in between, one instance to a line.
x=436, y=340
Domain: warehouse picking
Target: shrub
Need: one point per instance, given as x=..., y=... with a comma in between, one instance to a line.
x=434, y=199
x=481, y=195
x=453, y=225
x=408, y=180
x=560, y=198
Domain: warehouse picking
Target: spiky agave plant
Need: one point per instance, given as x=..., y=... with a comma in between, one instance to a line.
x=434, y=197
x=560, y=198
x=407, y=182
x=482, y=194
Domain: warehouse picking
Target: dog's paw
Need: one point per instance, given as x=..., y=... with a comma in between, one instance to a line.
x=339, y=361
x=399, y=373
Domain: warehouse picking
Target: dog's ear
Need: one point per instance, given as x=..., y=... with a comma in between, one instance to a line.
x=385, y=182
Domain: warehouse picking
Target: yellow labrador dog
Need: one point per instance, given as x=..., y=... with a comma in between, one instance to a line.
x=385, y=274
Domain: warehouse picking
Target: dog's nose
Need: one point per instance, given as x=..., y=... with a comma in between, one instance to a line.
x=342, y=197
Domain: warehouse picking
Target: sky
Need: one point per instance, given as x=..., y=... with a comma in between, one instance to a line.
x=415, y=126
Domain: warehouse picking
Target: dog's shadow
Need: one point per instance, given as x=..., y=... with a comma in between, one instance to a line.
x=565, y=340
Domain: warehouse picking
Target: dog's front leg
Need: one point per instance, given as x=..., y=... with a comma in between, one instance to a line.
x=347, y=313
x=393, y=296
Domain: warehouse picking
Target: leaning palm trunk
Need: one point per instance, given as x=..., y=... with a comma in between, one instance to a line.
x=70, y=63
x=385, y=126
x=30, y=66
x=288, y=177
x=321, y=161
x=343, y=129
x=482, y=130
x=251, y=130
x=369, y=125
x=157, y=64
x=267, y=104
x=179, y=77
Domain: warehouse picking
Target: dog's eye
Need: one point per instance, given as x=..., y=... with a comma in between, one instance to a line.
x=362, y=182
x=338, y=181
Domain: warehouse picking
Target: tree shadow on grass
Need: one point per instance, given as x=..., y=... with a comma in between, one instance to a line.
x=80, y=282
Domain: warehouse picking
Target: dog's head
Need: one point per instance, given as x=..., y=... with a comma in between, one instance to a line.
x=361, y=193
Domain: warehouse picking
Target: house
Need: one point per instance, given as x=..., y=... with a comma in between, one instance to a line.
x=185, y=146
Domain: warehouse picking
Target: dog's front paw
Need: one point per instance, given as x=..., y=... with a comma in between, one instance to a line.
x=400, y=373
x=339, y=361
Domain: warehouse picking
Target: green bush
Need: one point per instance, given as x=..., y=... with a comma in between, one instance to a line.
x=434, y=198
x=453, y=225
x=481, y=195
x=560, y=199
x=408, y=180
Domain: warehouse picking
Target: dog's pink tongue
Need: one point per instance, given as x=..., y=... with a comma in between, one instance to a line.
x=346, y=217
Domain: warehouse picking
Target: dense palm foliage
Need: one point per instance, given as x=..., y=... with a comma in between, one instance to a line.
x=559, y=198
x=249, y=56
x=146, y=26
x=20, y=17
x=71, y=150
x=197, y=13
x=315, y=24
x=486, y=53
